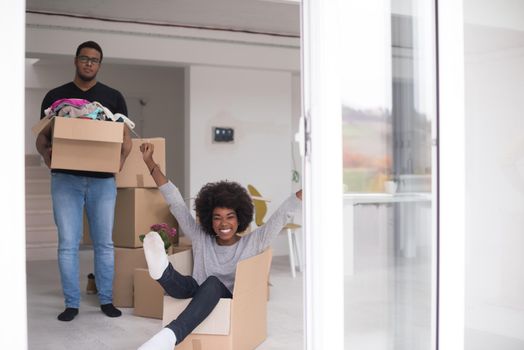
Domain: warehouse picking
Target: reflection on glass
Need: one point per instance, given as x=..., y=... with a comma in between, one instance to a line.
x=367, y=140
x=388, y=112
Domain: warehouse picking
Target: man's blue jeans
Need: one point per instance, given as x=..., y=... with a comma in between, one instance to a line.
x=70, y=193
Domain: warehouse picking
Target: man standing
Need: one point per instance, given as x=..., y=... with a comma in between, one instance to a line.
x=72, y=190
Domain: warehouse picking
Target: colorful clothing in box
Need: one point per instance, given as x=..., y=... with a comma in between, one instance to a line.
x=80, y=108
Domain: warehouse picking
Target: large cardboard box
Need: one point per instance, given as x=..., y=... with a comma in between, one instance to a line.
x=81, y=144
x=246, y=312
x=217, y=323
x=126, y=261
x=135, y=211
x=148, y=294
x=135, y=172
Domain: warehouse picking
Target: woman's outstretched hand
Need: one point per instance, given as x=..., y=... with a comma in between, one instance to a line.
x=299, y=194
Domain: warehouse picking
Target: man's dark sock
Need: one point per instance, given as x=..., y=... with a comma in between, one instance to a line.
x=110, y=310
x=68, y=314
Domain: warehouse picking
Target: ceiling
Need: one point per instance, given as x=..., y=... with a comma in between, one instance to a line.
x=272, y=16
x=266, y=16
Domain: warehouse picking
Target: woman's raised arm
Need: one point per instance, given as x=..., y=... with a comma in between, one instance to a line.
x=147, y=150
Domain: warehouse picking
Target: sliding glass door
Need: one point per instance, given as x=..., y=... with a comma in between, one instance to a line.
x=370, y=101
x=388, y=116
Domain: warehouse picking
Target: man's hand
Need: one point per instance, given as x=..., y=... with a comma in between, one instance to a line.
x=44, y=146
x=299, y=194
x=127, y=145
x=122, y=162
x=47, y=156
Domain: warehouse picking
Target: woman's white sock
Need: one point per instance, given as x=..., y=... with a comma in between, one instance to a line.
x=163, y=340
x=155, y=253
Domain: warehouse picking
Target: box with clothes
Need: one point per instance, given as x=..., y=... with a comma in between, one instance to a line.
x=82, y=144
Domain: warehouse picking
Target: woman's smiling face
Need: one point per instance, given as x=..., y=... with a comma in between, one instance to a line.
x=225, y=225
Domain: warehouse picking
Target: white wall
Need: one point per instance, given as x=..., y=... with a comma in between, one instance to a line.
x=494, y=85
x=161, y=88
x=257, y=104
x=496, y=14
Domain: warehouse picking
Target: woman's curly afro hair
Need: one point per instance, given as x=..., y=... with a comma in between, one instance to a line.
x=223, y=194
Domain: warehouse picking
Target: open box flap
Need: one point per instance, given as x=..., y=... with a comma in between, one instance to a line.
x=41, y=125
x=248, y=279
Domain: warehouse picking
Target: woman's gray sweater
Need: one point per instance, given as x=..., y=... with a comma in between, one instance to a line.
x=211, y=259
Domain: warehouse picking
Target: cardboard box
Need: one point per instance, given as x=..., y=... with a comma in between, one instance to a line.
x=81, y=144
x=135, y=172
x=217, y=323
x=126, y=261
x=135, y=211
x=181, y=258
x=247, y=311
x=148, y=294
x=41, y=125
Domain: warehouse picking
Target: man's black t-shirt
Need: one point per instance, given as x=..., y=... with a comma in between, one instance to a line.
x=110, y=98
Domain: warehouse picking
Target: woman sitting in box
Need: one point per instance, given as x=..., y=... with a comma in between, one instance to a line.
x=224, y=209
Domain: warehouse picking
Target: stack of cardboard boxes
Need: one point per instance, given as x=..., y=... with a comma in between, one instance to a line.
x=139, y=204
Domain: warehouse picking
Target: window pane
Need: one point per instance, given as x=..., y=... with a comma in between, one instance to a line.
x=388, y=111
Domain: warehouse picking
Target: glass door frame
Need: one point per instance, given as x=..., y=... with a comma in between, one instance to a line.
x=323, y=282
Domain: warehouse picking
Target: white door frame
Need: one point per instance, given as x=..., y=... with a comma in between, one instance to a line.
x=451, y=175
x=324, y=283
x=323, y=202
x=12, y=198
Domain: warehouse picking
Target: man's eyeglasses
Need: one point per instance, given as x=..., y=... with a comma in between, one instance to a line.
x=85, y=59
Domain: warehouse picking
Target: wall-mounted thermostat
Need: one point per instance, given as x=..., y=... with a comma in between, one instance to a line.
x=221, y=134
